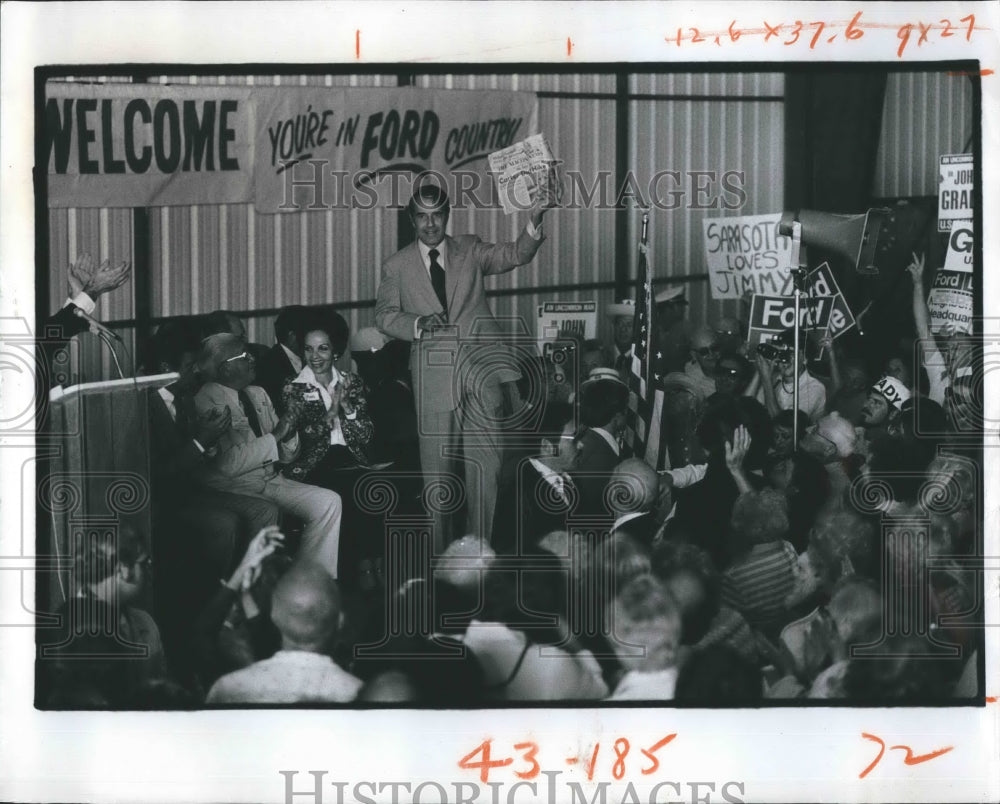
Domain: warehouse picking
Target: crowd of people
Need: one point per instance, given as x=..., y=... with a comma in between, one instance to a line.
x=769, y=563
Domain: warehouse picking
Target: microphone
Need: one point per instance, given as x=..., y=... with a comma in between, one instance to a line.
x=96, y=326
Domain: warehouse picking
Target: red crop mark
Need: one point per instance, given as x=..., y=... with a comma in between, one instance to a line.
x=569, y=47
x=357, y=43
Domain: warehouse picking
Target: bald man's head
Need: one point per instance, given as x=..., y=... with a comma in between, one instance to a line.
x=634, y=487
x=305, y=607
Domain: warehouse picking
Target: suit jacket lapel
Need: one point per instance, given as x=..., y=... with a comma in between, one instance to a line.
x=451, y=276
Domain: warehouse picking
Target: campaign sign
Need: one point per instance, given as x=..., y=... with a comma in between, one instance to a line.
x=746, y=255
x=770, y=315
x=822, y=282
x=950, y=302
x=959, y=254
x=955, y=190
x=565, y=317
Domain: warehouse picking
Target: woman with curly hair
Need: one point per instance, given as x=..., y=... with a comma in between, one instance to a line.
x=330, y=408
x=335, y=431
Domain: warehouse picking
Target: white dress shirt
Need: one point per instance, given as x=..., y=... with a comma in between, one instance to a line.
x=442, y=249
x=325, y=392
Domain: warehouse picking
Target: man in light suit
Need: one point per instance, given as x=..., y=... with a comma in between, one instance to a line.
x=432, y=294
x=249, y=451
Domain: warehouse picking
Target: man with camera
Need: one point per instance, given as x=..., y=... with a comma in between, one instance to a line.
x=777, y=371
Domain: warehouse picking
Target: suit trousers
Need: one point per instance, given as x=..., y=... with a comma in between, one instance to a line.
x=446, y=438
x=320, y=509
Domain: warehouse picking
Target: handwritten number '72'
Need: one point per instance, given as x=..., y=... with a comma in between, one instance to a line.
x=909, y=759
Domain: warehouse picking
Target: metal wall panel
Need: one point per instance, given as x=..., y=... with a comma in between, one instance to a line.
x=721, y=135
x=925, y=115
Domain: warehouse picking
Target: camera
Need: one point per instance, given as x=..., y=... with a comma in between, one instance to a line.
x=771, y=351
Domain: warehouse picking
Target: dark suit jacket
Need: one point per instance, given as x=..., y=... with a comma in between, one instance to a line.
x=274, y=369
x=53, y=336
x=527, y=509
x=595, y=461
x=174, y=457
x=440, y=382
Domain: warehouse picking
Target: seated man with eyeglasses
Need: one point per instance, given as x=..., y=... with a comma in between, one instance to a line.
x=256, y=441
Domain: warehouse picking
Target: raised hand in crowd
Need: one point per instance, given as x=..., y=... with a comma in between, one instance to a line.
x=921, y=317
x=765, y=375
x=84, y=277
x=916, y=268
x=736, y=453
x=211, y=427
x=261, y=546
x=765, y=367
x=836, y=379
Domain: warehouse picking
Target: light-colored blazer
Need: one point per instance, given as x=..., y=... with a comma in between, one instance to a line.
x=443, y=365
x=245, y=462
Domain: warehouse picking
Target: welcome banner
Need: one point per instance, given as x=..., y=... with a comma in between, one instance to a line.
x=281, y=148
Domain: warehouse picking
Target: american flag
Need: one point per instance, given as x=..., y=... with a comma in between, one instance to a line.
x=645, y=413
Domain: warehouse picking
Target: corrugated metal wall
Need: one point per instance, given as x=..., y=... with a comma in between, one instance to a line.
x=736, y=124
x=926, y=115
x=228, y=256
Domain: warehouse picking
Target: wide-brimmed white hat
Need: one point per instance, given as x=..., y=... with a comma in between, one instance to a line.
x=624, y=307
x=603, y=374
x=671, y=293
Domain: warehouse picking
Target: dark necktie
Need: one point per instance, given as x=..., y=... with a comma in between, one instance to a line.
x=437, y=279
x=251, y=412
x=186, y=414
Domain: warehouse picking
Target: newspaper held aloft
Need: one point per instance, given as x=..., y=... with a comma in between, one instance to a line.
x=522, y=170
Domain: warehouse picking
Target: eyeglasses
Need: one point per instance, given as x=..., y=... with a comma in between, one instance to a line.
x=240, y=356
x=705, y=351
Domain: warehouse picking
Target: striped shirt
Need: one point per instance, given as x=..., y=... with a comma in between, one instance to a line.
x=758, y=584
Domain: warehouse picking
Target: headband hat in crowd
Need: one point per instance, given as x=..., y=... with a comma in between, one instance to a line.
x=602, y=374
x=893, y=390
x=624, y=307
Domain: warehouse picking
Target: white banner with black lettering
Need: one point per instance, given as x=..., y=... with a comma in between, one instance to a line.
x=281, y=148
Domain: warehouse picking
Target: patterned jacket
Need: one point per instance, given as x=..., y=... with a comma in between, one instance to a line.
x=304, y=401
